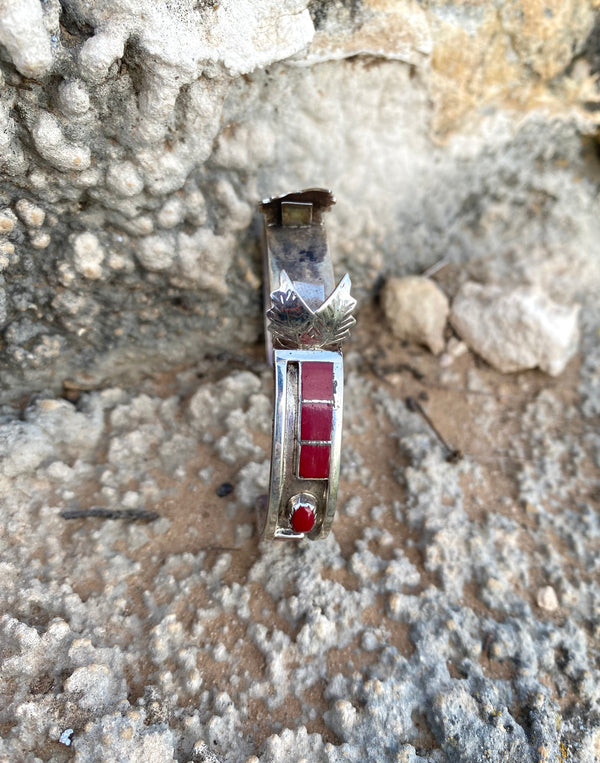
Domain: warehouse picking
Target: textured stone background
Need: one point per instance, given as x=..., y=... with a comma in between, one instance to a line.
x=454, y=614
x=138, y=136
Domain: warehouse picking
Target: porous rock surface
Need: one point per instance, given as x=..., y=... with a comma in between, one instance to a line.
x=136, y=137
x=454, y=612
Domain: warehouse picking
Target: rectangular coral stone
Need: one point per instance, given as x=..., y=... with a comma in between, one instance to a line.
x=314, y=462
x=315, y=421
x=317, y=381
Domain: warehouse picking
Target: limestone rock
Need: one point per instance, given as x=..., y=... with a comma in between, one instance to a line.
x=516, y=329
x=546, y=599
x=416, y=310
x=24, y=36
x=154, y=128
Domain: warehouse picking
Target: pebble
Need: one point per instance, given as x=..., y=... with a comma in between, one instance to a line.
x=416, y=310
x=225, y=489
x=454, y=349
x=515, y=329
x=66, y=737
x=546, y=599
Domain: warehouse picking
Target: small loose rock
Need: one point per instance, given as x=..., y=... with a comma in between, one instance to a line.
x=66, y=737
x=416, y=310
x=225, y=489
x=547, y=599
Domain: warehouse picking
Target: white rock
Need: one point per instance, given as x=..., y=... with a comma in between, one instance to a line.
x=164, y=172
x=516, y=329
x=131, y=500
x=547, y=599
x=204, y=259
x=416, y=310
x=123, y=178
x=95, y=686
x=342, y=717
x=454, y=349
x=100, y=51
x=7, y=221
x=119, y=737
x=236, y=213
x=22, y=449
x=40, y=240
x=54, y=148
x=195, y=208
x=140, y=226
x=65, y=737
x=58, y=471
x=172, y=213
x=24, y=36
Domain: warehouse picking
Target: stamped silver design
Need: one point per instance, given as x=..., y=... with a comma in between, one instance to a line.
x=307, y=318
x=293, y=323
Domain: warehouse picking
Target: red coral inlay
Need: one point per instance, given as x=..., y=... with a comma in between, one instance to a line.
x=314, y=461
x=315, y=421
x=317, y=381
x=303, y=518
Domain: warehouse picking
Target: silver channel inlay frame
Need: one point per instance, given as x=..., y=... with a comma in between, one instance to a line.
x=284, y=481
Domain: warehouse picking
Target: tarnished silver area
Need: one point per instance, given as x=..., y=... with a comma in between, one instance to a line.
x=296, y=213
x=307, y=320
x=301, y=248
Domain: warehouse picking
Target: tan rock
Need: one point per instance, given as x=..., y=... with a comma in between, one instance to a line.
x=416, y=310
x=512, y=56
x=386, y=28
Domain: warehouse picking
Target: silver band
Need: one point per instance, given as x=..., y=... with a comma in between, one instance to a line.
x=307, y=320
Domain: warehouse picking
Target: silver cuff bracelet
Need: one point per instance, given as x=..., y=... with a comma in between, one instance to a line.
x=306, y=321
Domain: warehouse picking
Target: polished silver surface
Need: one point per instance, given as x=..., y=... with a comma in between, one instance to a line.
x=284, y=479
x=307, y=319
